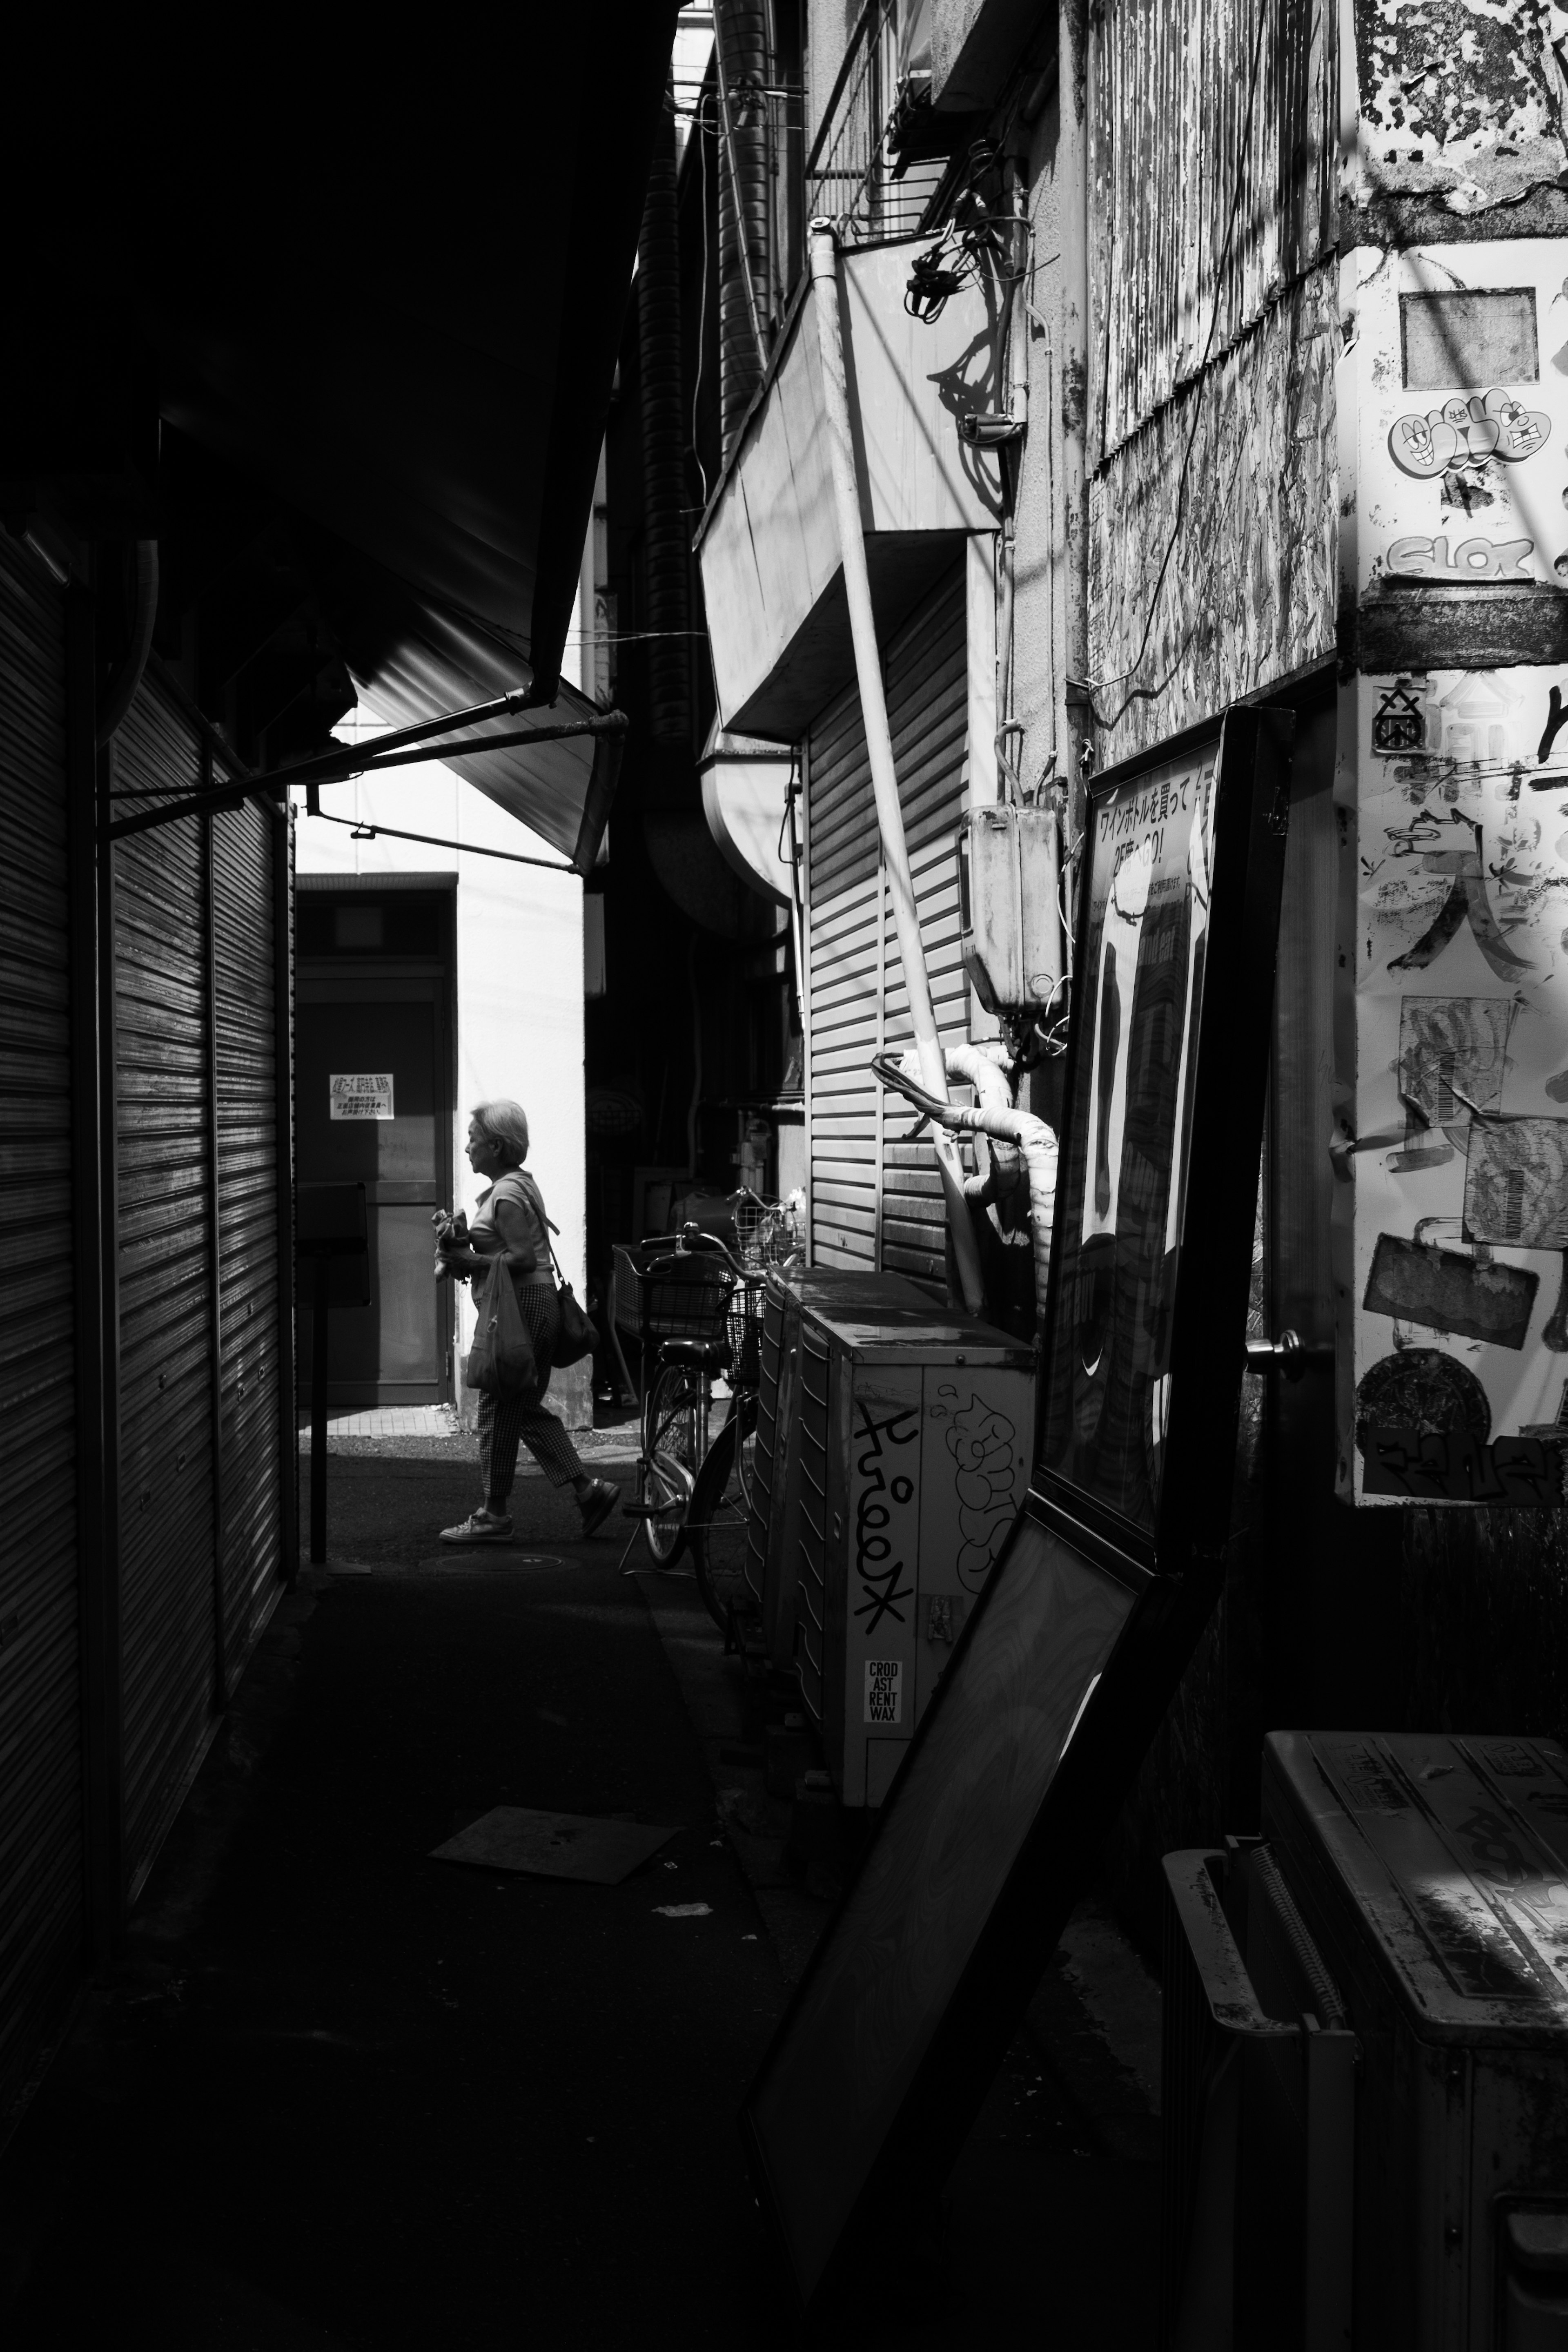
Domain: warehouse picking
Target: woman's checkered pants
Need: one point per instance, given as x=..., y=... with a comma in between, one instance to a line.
x=517, y=1415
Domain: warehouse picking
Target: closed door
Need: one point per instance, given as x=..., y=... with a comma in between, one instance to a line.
x=374, y=1106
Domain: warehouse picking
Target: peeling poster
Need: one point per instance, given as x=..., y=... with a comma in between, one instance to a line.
x=1452, y=1245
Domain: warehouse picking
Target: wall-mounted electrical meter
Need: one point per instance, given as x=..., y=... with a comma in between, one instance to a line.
x=1009, y=906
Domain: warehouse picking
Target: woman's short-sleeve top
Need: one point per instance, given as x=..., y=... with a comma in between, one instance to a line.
x=485, y=1235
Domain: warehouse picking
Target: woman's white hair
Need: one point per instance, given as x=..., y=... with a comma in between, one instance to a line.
x=505, y=1123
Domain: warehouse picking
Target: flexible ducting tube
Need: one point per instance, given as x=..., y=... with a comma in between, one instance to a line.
x=879, y=745
x=121, y=692
x=666, y=553
x=1015, y=1136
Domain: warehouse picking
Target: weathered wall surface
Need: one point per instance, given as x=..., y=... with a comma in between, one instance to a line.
x=1460, y=104
x=1211, y=434
x=1211, y=186
x=1249, y=592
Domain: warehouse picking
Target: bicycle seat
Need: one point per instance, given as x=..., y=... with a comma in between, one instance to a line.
x=707, y=1355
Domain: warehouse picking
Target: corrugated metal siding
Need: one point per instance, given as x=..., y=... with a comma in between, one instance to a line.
x=842, y=916
x=927, y=710
x=858, y=1001
x=166, y=1326
x=1172, y=158
x=846, y=1015
x=844, y=848
x=41, y=1860
x=196, y=1048
x=245, y=844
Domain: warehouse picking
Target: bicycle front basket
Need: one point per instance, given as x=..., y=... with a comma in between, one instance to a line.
x=685, y=1298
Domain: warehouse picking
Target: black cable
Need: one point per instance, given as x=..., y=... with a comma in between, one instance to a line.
x=365, y=831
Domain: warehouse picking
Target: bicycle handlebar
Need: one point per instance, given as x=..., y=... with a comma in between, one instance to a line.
x=698, y=1242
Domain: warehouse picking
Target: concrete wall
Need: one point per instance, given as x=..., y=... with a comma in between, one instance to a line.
x=519, y=988
x=770, y=551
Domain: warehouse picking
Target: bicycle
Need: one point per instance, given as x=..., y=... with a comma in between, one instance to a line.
x=700, y=1308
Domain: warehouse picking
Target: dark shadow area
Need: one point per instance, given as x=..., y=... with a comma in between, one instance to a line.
x=340, y=2094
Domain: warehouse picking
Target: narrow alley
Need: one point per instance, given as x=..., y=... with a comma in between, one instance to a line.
x=341, y=2094
x=784, y=1178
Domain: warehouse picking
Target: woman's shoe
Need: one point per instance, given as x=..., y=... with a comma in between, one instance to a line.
x=597, y=1504
x=480, y=1527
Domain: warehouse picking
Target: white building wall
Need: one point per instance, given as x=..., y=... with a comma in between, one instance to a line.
x=519, y=987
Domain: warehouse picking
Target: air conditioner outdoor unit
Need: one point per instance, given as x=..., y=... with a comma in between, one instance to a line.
x=916, y=1433
x=1365, y=2063
x=773, y=1544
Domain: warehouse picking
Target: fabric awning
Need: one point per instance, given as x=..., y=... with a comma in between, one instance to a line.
x=382, y=283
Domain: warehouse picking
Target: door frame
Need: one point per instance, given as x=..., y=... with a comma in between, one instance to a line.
x=365, y=978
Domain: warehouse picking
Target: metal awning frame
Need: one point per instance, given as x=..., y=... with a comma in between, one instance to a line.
x=348, y=761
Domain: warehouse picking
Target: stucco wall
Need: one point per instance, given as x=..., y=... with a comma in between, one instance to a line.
x=519, y=987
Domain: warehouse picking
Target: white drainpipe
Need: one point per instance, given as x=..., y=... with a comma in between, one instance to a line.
x=879, y=747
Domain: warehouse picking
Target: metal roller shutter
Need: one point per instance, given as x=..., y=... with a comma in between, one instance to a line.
x=166, y=1322
x=875, y=1200
x=843, y=918
x=41, y=1858
x=244, y=844
x=927, y=709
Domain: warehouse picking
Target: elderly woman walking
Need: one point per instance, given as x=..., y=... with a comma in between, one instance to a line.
x=510, y=1224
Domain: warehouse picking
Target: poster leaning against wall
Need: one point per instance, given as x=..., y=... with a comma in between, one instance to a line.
x=1023, y=1757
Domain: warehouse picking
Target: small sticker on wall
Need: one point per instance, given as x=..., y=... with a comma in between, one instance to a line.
x=884, y=1690
x=362, y=1095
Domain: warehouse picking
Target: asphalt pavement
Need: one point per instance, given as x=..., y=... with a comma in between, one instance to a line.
x=340, y=2094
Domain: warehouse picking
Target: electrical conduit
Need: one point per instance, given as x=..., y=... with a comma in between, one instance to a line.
x=879, y=746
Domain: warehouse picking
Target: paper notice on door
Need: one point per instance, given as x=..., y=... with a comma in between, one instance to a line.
x=364, y=1095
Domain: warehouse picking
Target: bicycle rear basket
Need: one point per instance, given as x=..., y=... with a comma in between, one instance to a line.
x=746, y=1332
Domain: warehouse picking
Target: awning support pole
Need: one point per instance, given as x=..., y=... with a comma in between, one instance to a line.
x=879, y=747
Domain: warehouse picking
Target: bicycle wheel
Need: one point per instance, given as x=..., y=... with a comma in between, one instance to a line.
x=720, y=1513
x=672, y=1450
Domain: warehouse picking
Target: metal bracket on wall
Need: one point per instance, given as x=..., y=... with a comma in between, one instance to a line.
x=1289, y=1354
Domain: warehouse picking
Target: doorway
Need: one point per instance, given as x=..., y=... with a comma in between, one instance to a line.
x=374, y=1105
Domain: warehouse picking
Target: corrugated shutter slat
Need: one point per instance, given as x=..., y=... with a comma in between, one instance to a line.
x=866, y=1206
x=41, y=1857
x=163, y=1139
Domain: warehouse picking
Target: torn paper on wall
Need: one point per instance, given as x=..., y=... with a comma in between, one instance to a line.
x=1457, y=1143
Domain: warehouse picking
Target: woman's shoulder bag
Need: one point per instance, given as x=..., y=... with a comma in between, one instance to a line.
x=577, y=1335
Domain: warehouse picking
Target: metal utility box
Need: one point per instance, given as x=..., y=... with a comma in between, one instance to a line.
x=916, y=1436
x=1429, y=1877
x=1010, y=907
x=773, y=1536
x=1433, y=1872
